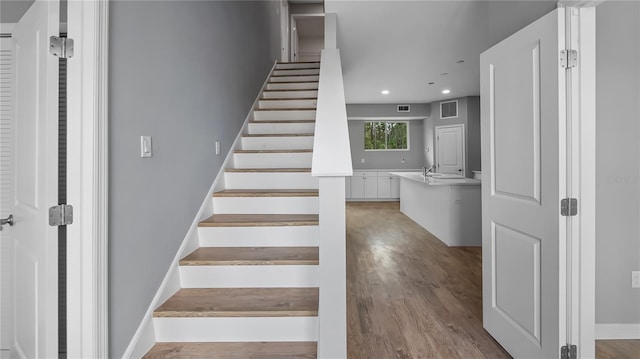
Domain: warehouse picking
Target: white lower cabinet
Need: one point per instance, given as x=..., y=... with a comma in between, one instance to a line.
x=372, y=185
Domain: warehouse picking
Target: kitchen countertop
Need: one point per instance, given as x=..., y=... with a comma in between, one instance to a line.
x=434, y=181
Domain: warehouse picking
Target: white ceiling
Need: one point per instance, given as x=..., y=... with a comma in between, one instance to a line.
x=401, y=46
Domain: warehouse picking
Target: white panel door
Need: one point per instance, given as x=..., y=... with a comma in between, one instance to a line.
x=450, y=149
x=36, y=189
x=522, y=94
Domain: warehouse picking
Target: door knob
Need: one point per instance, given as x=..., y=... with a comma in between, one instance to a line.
x=8, y=220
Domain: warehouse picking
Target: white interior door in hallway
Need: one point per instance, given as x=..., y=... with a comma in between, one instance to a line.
x=523, y=119
x=450, y=149
x=33, y=242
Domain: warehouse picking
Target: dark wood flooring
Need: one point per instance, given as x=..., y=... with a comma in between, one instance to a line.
x=411, y=296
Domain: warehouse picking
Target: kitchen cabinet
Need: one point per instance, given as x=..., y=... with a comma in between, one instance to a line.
x=373, y=184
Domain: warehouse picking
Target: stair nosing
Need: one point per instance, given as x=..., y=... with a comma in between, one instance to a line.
x=283, y=121
x=289, y=99
x=273, y=151
x=277, y=134
x=293, y=82
x=261, y=220
x=294, y=74
x=268, y=170
x=309, y=256
x=268, y=193
x=287, y=109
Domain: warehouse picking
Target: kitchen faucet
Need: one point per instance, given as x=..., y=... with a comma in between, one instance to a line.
x=425, y=170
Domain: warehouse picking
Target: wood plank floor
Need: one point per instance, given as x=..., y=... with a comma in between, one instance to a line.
x=411, y=296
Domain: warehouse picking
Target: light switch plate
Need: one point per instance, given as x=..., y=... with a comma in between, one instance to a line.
x=635, y=279
x=217, y=148
x=146, y=149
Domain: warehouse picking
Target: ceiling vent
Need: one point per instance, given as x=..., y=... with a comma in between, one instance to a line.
x=404, y=108
x=449, y=109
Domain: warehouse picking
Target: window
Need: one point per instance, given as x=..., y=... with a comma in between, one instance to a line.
x=386, y=136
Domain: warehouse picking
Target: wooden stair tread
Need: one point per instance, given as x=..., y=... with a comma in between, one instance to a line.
x=260, y=220
x=283, y=121
x=236, y=350
x=267, y=90
x=294, y=82
x=240, y=302
x=289, y=99
x=274, y=151
x=294, y=74
x=277, y=134
x=286, y=109
x=267, y=193
x=298, y=62
x=211, y=256
x=269, y=170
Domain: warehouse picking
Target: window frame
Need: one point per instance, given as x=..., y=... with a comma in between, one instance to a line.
x=407, y=122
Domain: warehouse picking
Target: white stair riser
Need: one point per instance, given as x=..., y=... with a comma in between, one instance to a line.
x=293, y=86
x=315, y=71
x=249, y=276
x=281, y=180
x=297, y=65
x=243, y=329
x=277, y=143
x=275, y=115
x=290, y=94
x=305, y=78
x=288, y=104
x=273, y=160
x=256, y=128
x=284, y=236
x=265, y=205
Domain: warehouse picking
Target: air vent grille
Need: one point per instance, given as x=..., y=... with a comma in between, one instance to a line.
x=404, y=108
x=449, y=109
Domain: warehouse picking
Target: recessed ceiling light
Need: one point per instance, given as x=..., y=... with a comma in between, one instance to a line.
x=446, y=91
x=459, y=61
x=444, y=74
x=431, y=83
x=385, y=92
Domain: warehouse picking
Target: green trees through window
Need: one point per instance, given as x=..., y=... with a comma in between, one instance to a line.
x=386, y=135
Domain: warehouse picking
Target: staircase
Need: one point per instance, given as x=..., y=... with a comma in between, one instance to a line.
x=251, y=289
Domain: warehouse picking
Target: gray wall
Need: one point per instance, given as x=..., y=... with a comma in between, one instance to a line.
x=300, y=8
x=185, y=73
x=469, y=116
x=414, y=158
x=618, y=161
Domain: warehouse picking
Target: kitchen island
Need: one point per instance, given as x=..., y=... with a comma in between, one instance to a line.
x=447, y=206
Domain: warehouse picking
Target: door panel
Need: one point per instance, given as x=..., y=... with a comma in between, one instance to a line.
x=36, y=169
x=522, y=116
x=450, y=149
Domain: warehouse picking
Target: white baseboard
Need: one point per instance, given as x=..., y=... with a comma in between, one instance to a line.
x=606, y=331
x=144, y=337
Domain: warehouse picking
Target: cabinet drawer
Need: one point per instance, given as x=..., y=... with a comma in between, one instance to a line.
x=365, y=174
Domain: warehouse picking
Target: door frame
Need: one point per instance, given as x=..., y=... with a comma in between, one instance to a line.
x=581, y=155
x=87, y=180
x=464, y=146
x=284, y=31
x=292, y=23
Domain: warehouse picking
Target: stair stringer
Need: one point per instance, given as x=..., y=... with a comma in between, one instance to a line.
x=144, y=338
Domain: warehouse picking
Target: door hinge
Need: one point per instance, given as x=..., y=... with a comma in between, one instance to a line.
x=61, y=47
x=569, y=207
x=569, y=352
x=61, y=215
x=568, y=59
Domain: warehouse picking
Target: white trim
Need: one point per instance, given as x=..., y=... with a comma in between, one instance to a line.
x=87, y=172
x=606, y=331
x=457, y=109
x=583, y=38
x=144, y=337
x=389, y=118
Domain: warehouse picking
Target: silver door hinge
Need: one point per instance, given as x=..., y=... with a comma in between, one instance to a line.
x=61, y=215
x=61, y=47
x=569, y=207
x=569, y=352
x=568, y=59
